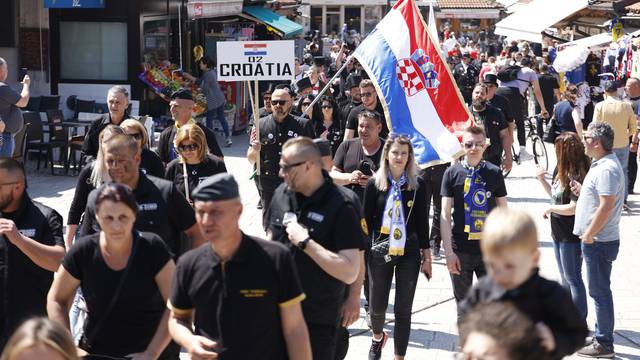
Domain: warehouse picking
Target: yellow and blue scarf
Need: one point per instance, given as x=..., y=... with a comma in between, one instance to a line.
x=393, y=221
x=476, y=204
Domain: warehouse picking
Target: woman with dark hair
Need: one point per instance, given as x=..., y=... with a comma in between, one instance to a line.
x=125, y=276
x=328, y=126
x=40, y=338
x=573, y=165
x=396, y=209
x=303, y=103
x=566, y=112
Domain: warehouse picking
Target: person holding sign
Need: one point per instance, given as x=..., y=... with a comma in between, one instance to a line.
x=275, y=130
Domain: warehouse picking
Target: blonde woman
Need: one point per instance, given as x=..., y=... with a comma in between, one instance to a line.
x=90, y=177
x=150, y=162
x=40, y=338
x=396, y=211
x=194, y=161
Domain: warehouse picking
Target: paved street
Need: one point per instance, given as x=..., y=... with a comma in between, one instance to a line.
x=434, y=333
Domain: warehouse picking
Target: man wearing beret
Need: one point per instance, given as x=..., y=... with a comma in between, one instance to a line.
x=181, y=107
x=322, y=228
x=235, y=279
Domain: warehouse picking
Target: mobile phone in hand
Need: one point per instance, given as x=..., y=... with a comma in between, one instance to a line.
x=23, y=73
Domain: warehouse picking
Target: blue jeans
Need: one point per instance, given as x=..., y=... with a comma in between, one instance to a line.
x=7, y=145
x=219, y=114
x=599, y=258
x=569, y=259
x=623, y=156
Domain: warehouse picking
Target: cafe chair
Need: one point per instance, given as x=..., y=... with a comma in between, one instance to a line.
x=34, y=142
x=49, y=103
x=87, y=106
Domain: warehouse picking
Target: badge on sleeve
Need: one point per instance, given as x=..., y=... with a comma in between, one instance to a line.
x=363, y=225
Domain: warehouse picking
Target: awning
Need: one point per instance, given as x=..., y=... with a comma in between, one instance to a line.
x=283, y=26
x=591, y=42
x=529, y=21
x=199, y=9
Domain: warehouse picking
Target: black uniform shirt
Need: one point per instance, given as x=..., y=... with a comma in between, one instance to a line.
x=151, y=164
x=274, y=134
x=349, y=157
x=162, y=210
x=352, y=119
x=541, y=300
x=503, y=104
x=492, y=121
x=23, y=284
x=453, y=187
x=237, y=303
x=197, y=173
x=334, y=223
x=91, y=139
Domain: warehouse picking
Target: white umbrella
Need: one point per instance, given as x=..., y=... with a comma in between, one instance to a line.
x=571, y=58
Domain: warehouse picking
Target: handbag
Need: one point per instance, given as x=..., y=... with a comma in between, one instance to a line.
x=551, y=132
x=380, y=244
x=87, y=339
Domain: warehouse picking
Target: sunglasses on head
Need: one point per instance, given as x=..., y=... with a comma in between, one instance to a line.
x=394, y=136
x=190, y=147
x=278, y=102
x=136, y=136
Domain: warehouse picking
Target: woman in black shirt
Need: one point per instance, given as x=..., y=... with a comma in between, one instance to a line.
x=150, y=162
x=396, y=211
x=328, y=126
x=193, y=159
x=573, y=165
x=125, y=276
x=91, y=176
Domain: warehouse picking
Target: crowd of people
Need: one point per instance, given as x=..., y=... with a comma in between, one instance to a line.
x=154, y=259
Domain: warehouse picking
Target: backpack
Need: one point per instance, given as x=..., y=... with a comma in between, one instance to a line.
x=509, y=73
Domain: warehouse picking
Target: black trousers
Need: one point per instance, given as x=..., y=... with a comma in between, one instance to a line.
x=342, y=343
x=433, y=178
x=267, y=185
x=323, y=341
x=406, y=269
x=518, y=108
x=540, y=121
x=469, y=264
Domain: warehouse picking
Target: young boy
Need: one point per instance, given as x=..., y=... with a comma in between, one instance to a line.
x=511, y=255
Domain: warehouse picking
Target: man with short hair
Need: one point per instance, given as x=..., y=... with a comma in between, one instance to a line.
x=370, y=102
x=181, y=107
x=466, y=76
x=492, y=121
x=619, y=114
x=235, y=279
x=118, y=103
x=352, y=88
x=550, y=89
x=275, y=130
x=471, y=189
x=323, y=229
x=10, y=115
x=163, y=209
x=31, y=250
x=496, y=100
x=597, y=223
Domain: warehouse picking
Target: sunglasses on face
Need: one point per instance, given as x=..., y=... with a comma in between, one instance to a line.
x=366, y=94
x=471, y=145
x=278, y=102
x=189, y=147
x=288, y=167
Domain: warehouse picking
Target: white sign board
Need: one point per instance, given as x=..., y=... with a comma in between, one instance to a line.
x=255, y=60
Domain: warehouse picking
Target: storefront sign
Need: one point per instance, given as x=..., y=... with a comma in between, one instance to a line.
x=255, y=60
x=72, y=4
x=213, y=8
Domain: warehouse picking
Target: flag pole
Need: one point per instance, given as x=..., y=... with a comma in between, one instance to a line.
x=317, y=98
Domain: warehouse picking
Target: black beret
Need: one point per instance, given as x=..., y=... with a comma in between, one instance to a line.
x=216, y=188
x=182, y=94
x=303, y=83
x=353, y=80
x=319, y=60
x=324, y=146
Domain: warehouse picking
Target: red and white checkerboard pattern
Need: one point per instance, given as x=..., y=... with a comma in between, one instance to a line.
x=409, y=77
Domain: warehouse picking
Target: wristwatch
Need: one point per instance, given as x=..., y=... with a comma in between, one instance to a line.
x=303, y=244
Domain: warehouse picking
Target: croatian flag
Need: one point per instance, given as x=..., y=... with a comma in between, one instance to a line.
x=419, y=95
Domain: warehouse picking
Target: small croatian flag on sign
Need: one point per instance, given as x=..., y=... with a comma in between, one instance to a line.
x=255, y=49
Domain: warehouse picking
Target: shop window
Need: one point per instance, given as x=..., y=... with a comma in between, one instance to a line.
x=93, y=50
x=352, y=15
x=469, y=24
x=372, y=16
x=316, y=18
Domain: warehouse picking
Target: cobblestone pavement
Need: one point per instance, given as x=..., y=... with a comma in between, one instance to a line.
x=434, y=334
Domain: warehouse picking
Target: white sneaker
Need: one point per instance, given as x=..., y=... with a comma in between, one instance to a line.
x=229, y=142
x=524, y=154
